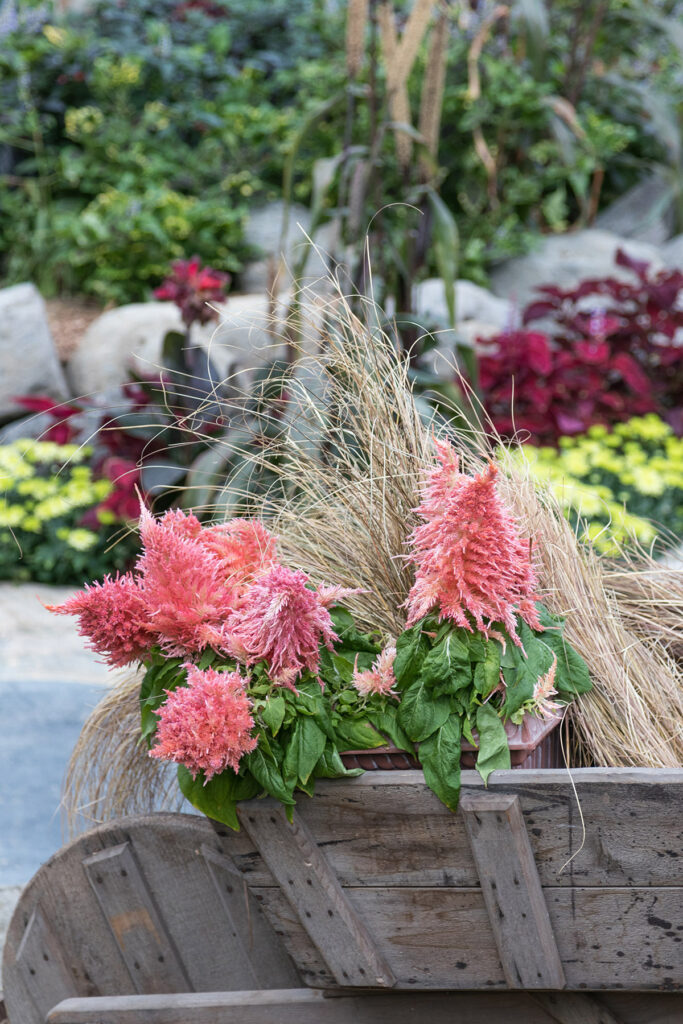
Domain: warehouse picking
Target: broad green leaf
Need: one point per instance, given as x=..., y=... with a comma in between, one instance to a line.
x=304, y=751
x=440, y=759
x=266, y=771
x=331, y=766
x=158, y=679
x=420, y=714
x=388, y=724
x=572, y=675
x=487, y=672
x=446, y=668
x=274, y=712
x=411, y=649
x=519, y=687
x=357, y=734
x=218, y=797
x=494, y=752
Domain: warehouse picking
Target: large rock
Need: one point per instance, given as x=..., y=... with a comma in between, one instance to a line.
x=263, y=232
x=645, y=212
x=28, y=359
x=471, y=303
x=130, y=338
x=672, y=253
x=564, y=260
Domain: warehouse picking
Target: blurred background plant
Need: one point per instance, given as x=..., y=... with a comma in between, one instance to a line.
x=57, y=522
x=135, y=132
x=610, y=349
x=615, y=485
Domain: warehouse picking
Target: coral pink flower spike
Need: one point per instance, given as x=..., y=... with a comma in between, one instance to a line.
x=282, y=622
x=113, y=616
x=207, y=724
x=244, y=547
x=380, y=678
x=183, y=584
x=468, y=552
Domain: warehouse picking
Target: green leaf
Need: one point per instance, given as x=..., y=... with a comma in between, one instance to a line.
x=266, y=771
x=387, y=723
x=411, y=649
x=519, y=687
x=218, y=797
x=494, y=752
x=331, y=766
x=440, y=759
x=157, y=680
x=487, y=672
x=420, y=714
x=572, y=676
x=357, y=734
x=273, y=713
x=446, y=668
x=304, y=751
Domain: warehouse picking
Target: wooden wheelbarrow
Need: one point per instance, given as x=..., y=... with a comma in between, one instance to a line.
x=547, y=898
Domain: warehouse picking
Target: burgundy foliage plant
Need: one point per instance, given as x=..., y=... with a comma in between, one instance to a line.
x=192, y=287
x=615, y=350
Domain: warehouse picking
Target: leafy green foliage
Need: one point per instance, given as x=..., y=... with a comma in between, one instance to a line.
x=450, y=683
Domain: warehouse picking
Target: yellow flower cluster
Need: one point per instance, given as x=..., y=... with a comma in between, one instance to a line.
x=614, y=483
x=41, y=481
x=80, y=121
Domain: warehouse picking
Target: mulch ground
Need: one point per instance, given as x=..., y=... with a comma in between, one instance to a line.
x=69, y=319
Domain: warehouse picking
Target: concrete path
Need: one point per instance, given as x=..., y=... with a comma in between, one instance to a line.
x=49, y=682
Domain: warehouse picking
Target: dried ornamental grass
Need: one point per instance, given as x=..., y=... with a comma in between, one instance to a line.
x=356, y=23
x=348, y=518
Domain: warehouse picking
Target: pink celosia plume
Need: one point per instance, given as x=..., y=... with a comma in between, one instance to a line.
x=244, y=547
x=207, y=724
x=183, y=584
x=544, y=690
x=283, y=623
x=332, y=594
x=113, y=616
x=380, y=678
x=470, y=560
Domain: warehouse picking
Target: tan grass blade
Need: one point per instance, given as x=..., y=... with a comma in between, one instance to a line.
x=356, y=24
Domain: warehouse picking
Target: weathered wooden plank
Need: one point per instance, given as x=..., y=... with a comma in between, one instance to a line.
x=512, y=891
x=313, y=890
x=388, y=828
x=257, y=956
x=574, y=1008
x=304, y=1006
x=441, y=938
x=301, y=1006
x=40, y=965
x=147, y=950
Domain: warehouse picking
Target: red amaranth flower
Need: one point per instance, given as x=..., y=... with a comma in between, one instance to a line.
x=113, y=616
x=471, y=561
x=283, y=623
x=380, y=678
x=183, y=584
x=207, y=724
x=192, y=286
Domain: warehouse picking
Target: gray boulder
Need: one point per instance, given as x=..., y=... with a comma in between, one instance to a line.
x=644, y=213
x=472, y=302
x=263, y=231
x=130, y=338
x=564, y=260
x=672, y=253
x=28, y=359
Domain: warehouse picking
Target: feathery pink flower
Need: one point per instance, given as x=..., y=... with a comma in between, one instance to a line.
x=244, y=547
x=183, y=584
x=543, y=691
x=207, y=724
x=380, y=678
x=283, y=623
x=469, y=556
x=332, y=594
x=113, y=616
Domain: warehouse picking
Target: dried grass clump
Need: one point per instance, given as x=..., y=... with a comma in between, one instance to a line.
x=354, y=451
